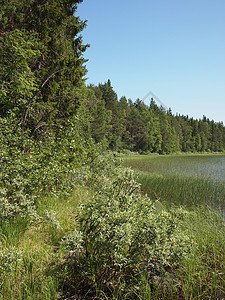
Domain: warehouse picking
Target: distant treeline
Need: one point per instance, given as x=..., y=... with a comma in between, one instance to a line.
x=148, y=128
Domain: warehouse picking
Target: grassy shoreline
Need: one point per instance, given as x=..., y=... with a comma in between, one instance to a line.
x=202, y=275
x=47, y=271
x=183, y=179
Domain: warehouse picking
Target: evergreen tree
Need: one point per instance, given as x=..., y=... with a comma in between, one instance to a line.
x=125, y=108
x=117, y=124
x=168, y=134
x=46, y=34
x=100, y=117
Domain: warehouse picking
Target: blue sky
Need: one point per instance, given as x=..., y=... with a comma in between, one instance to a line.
x=176, y=49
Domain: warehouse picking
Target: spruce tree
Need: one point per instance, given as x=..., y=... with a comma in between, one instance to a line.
x=51, y=29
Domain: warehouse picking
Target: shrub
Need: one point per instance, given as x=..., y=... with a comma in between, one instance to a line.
x=122, y=229
x=32, y=169
x=9, y=259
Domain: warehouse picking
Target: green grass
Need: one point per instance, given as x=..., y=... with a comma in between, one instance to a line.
x=40, y=273
x=201, y=275
x=187, y=180
x=46, y=272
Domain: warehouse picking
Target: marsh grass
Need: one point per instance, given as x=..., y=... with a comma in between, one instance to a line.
x=187, y=180
x=12, y=230
x=180, y=190
x=201, y=275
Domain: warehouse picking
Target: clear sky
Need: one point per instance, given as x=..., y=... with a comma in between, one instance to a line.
x=174, y=48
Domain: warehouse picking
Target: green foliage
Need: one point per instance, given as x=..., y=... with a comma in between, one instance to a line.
x=149, y=128
x=30, y=169
x=19, y=52
x=41, y=63
x=73, y=241
x=9, y=259
x=54, y=133
x=119, y=228
x=16, y=197
x=99, y=116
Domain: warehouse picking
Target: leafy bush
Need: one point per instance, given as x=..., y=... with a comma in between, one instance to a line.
x=122, y=229
x=22, y=205
x=9, y=258
x=16, y=190
x=73, y=241
x=30, y=169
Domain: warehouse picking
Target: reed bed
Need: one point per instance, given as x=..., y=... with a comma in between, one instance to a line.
x=196, y=182
x=189, y=180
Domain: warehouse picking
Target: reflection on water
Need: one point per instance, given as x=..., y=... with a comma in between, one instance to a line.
x=189, y=180
x=212, y=168
x=207, y=171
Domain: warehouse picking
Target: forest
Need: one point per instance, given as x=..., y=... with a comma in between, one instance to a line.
x=143, y=128
x=74, y=222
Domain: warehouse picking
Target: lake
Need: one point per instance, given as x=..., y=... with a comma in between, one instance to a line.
x=189, y=179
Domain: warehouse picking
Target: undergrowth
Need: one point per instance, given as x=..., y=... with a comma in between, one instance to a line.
x=94, y=235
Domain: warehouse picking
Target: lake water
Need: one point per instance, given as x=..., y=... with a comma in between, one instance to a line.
x=183, y=179
x=211, y=168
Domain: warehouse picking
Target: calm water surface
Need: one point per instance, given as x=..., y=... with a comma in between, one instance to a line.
x=211, y=168
x=198, y=179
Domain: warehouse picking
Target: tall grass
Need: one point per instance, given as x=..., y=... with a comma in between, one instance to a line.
x=187, y=180
x=31, y=261
x=41, y=269
x=202, y=275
